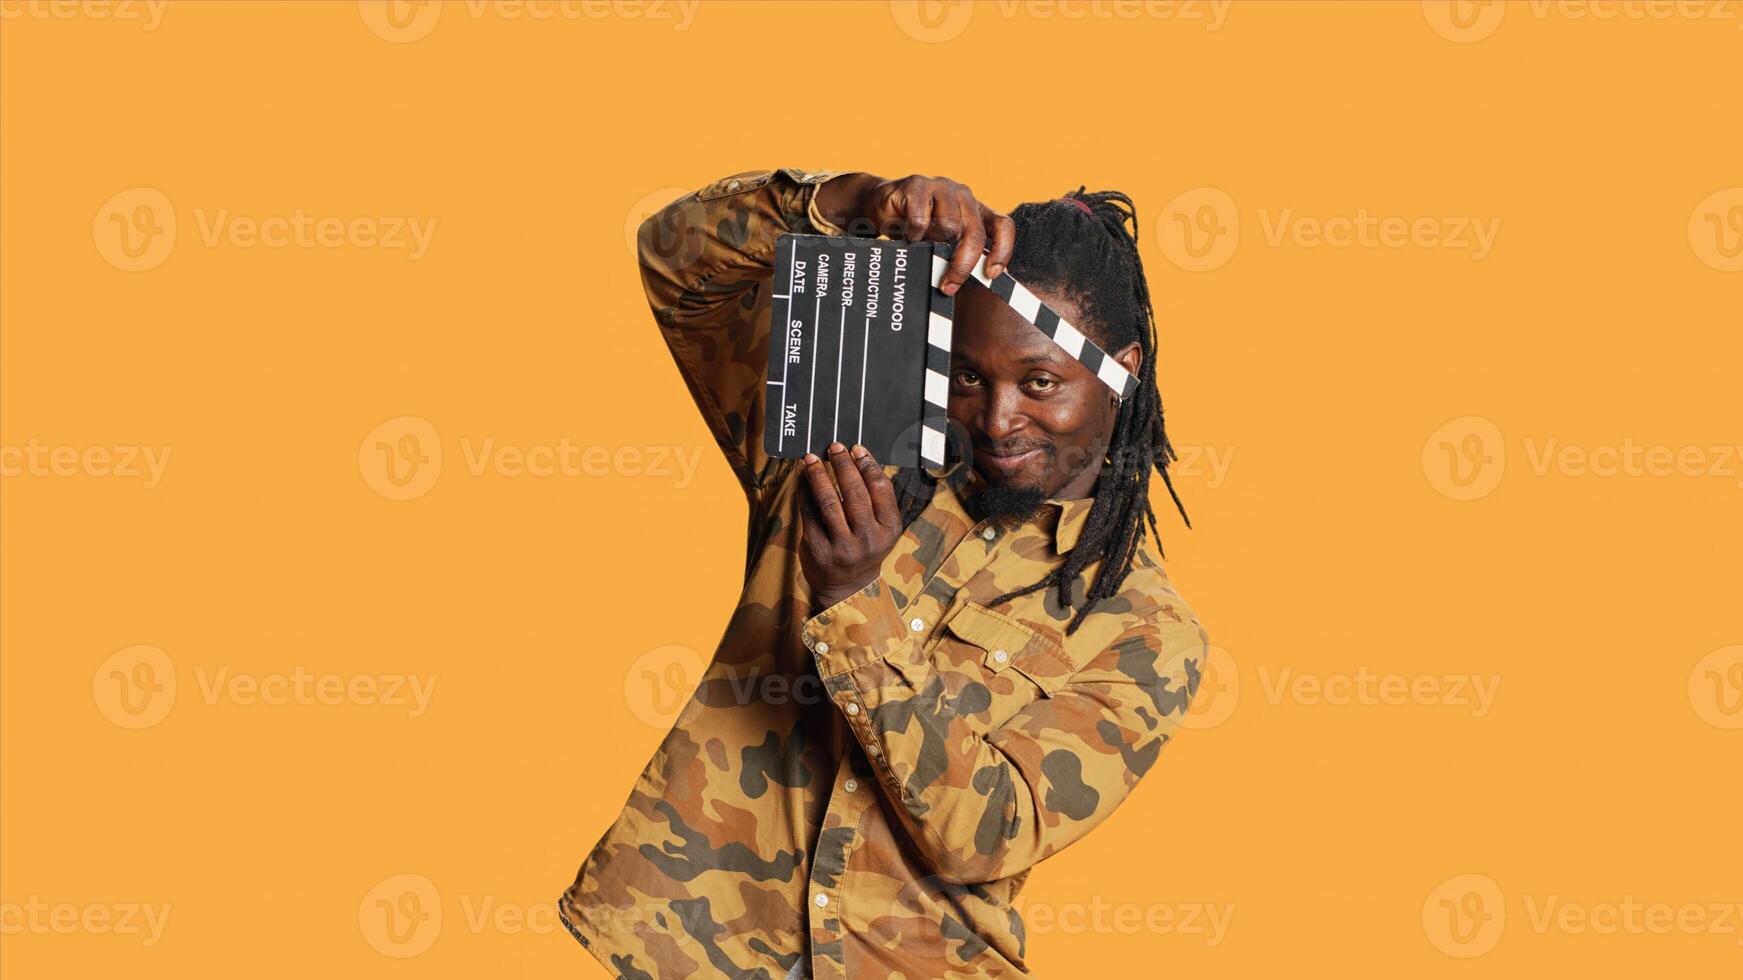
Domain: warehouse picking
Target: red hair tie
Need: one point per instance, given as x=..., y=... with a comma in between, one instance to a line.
x=1081, y=206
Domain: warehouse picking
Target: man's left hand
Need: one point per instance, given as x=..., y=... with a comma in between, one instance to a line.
x=846, y=534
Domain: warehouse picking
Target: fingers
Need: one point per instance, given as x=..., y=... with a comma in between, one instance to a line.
x=940, y=209
x=885, y=508
x=855, y=498
x=812, y=522
x=1003, y=232
x=917, y=210
x=824, y=497
x=968, y=250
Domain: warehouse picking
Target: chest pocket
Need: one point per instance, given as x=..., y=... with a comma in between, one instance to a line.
x=995, y=665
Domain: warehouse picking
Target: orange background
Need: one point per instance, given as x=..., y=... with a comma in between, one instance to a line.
x=1356, y=393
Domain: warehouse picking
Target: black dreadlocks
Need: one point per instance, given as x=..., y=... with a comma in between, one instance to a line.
x=1093, y=258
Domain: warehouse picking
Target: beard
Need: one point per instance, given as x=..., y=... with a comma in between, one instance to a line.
x=1006, y=505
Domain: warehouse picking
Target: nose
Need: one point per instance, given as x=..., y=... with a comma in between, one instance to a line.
x=1001, y=414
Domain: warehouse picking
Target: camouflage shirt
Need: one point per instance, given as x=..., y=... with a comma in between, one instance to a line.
x=866, y=788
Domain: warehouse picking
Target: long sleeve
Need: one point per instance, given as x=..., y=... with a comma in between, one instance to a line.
x=983, y=804
x=704, y=260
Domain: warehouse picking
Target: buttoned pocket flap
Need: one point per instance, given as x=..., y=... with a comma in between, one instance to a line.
x=1009, y=645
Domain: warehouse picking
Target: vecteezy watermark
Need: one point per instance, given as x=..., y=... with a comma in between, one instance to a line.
x=1454, y=233
x=1469, y=21
x=1210, y=464
x=1716, y=688
x=147, y=13
x=33, y=916
x=135, y=687
x=119, y=462
x=137, y=229
x=658, y=683
x=1365, y=688
x=1219, y=690
x=1221, y=684
x=1206, y=922
x=401, y=459
x=938, y=21
x=1716, y=229
x=1465, y=459
x=403, y=915
x=675, y=244
x=405, y=21
x=1200, y=229
x=1466, y=915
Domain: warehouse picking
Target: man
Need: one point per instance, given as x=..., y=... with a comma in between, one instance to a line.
x=932, y=682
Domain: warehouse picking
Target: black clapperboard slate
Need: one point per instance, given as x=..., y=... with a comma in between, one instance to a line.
x=847, y=346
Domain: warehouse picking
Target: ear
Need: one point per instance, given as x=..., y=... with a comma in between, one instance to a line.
x=1131, y=357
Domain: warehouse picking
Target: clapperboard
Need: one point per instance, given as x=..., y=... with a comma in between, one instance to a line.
x=859, y=347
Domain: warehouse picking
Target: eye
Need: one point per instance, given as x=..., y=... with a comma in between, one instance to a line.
x=964, y=373
x=1046, y=384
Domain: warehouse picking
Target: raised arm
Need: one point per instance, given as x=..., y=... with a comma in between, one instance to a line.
x=705, y=260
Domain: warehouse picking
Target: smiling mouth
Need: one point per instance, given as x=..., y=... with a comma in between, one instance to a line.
x=1007, y=462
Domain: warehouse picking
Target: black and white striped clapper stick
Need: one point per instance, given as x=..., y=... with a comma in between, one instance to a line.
x=1070, y=339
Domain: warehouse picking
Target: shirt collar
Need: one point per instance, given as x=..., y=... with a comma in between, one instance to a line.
x=1060, y=517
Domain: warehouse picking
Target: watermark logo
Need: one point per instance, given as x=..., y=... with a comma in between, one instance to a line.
x=1464, y=21
x=121, y=462
x=665, y=244
x=1465, y=458
x=1366, y=688
x=148, y=13
x=400, y=21
x=405, y=21
x=401, y=916
x=1205, y=922
x=677, y=242
x=932, y=21
x=1716, y=688
x=1465, y=915
x=401, y=459
x=658, y=684
x=1716, y=230
x=135, y=230
x=135, y=687
x=1219, y=690
x=1469, y=21
x=938, y=21
x=1199, y=229
x=33, y=916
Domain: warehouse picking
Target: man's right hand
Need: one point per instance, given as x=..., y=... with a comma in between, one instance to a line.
x=919, y=209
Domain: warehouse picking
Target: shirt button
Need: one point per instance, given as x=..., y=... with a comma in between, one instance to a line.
x=873, y=751
x=852, y=707
x=822, y=647
x=916, y=624
x=1001, y=656
x=851, y=784
x=989, y=534
x=822, y=900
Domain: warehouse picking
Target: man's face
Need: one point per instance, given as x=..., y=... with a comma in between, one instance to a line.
x=1038, y=420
